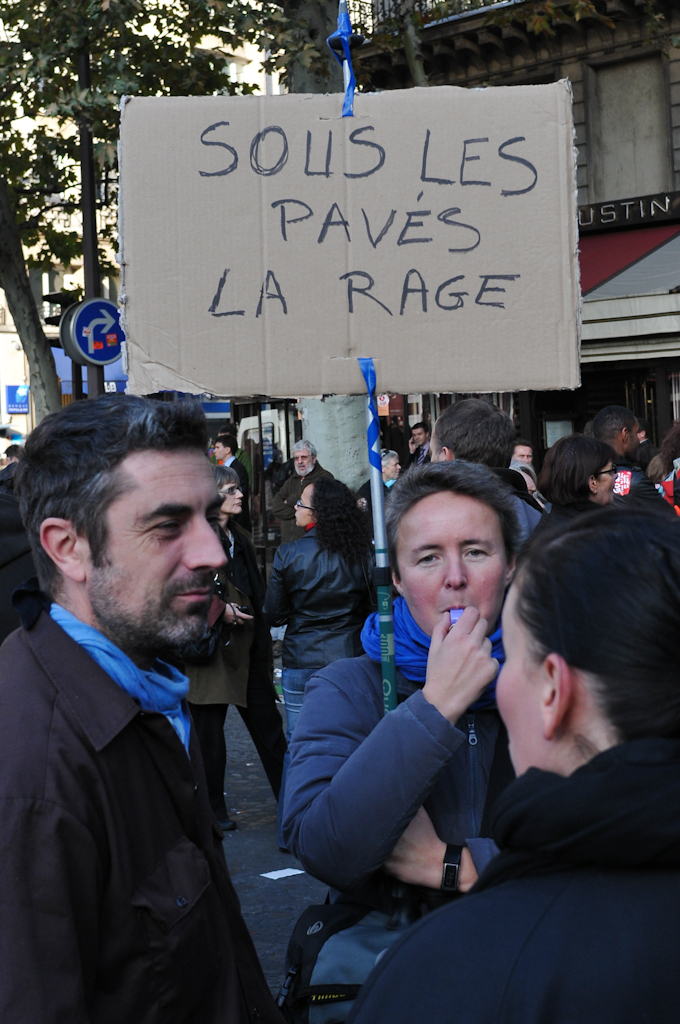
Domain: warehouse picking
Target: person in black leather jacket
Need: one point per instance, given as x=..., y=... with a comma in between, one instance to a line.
x=618, y=426
x=320, y=587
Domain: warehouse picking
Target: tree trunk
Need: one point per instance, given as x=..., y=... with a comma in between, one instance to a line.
x=409, y=38
x=14, y=282
x=321, y=19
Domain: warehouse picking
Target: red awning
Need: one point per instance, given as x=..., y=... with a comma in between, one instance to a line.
x=604, y=256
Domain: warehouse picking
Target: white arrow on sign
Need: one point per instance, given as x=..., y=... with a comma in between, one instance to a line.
x=106, y=321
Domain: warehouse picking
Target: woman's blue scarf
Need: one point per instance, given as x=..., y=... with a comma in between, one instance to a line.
x=412, y=646
x=161, y=688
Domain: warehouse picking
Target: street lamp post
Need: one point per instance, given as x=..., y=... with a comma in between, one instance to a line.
x=88, y=206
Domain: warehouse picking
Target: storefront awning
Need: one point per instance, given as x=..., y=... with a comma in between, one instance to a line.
x=630, y=282
x=623, y=263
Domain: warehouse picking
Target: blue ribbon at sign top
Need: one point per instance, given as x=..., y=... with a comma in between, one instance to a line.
x=368, y=370
x=344, y=33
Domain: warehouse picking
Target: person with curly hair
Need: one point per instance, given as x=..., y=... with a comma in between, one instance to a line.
x=664, y=468
x=320, y=587
x=670, y=448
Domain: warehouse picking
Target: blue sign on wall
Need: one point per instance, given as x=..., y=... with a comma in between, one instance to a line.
x=95, y=332
x=16, y=398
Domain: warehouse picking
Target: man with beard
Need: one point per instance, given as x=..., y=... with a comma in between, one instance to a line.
x=307, y=471
x=116, y=900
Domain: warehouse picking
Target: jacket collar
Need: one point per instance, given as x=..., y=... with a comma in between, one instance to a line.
x=101, y=706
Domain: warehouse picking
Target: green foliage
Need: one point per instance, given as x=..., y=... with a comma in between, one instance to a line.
x=137, y=48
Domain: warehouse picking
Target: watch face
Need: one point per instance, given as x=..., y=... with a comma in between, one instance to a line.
x=450, y=879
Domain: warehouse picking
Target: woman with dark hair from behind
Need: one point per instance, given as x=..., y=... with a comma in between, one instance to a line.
x=320, y=587
x=578, y=476
x=664, y=468
x=576, y=920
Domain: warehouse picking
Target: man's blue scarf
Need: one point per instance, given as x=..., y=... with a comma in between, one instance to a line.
x=162, y=688
x=412, y=646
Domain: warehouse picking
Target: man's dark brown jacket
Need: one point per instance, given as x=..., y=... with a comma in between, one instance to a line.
x=283, y=505
x=116, y=906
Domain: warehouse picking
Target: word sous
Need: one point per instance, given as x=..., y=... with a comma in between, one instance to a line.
x=360, y=286
x=376, y=156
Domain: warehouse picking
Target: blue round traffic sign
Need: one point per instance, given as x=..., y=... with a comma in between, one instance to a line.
x=94, y=334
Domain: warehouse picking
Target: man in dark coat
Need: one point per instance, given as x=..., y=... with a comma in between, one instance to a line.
x=225, y=450
x=307, y=471
x=618, y=426
x=419, y=445
x=117, y=904
x=16, y=562
x=647, y=449
x=478, y=431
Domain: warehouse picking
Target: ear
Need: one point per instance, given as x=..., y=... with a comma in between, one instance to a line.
x=69, y=551
x=558, y=697
x=510, y=572
x=446, y=455
x=593, y=484
x=397, y=584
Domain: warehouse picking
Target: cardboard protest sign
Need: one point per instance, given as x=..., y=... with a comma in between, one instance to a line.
x=267, y=242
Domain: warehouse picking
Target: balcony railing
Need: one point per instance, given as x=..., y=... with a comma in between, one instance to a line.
x=367, y=15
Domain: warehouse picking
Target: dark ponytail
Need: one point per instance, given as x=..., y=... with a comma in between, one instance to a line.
x=605, y=594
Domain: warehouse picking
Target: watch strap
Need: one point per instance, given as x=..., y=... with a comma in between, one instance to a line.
x=451, y=868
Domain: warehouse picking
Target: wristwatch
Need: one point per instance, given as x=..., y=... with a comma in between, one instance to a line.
x=451, y=868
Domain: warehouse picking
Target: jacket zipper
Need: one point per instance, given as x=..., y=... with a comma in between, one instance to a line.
x=473, y=755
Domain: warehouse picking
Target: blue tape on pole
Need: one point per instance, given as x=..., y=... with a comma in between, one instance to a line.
x=344, y=32
x=368, y=370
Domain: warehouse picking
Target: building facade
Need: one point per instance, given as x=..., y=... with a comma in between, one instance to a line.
x=626, y=105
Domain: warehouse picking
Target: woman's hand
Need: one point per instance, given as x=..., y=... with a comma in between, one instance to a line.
x=234, y=617
x=459, y=665
x=418, y=857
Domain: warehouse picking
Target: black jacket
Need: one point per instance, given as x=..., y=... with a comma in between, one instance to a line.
x=16, y=560
x=244, y=573
x=243, y=517
x=7, y=478
x=116, y=903
x=575, y=922
x=323, y=599
x=560, y=516
x=634, y=488
x=646, y=453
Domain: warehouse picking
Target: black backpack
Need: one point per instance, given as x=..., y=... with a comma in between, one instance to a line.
x=299, y=997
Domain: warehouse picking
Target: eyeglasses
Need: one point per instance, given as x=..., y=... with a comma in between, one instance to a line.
x=229, y=492
x=298, y=504
x=608, y=472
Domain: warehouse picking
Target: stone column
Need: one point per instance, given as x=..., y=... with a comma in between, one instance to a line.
x=336, y=426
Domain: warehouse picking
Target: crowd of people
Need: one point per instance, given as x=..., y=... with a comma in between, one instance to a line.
x=522, y=788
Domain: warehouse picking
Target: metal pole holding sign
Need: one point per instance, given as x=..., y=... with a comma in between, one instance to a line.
x=383, y=576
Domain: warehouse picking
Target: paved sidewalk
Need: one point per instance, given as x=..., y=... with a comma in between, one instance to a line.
x=270, y=907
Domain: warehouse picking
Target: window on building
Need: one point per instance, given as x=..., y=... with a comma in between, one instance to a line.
x=629, y=150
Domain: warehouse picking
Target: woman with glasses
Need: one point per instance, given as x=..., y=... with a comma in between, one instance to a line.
x=320, y=587
x=578, y=476
x=240, y=669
